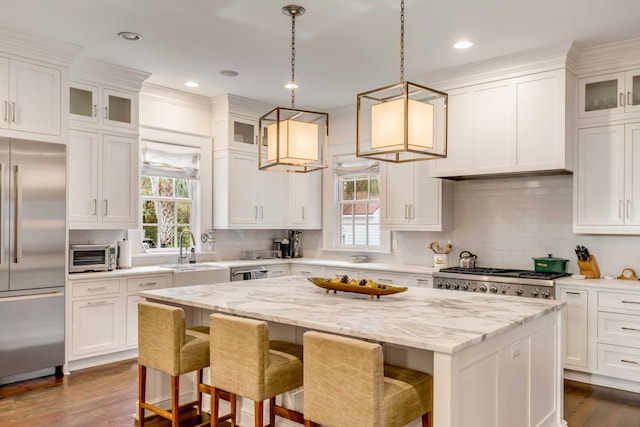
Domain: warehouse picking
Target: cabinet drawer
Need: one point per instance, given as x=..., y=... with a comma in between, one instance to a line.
x=277, y=270
x=307, y=270
x=421, y=281
x=393, y=279
x=103, y=287
x=618, y=361
x=333, y=272
x=623, y=329
x=619, y=300
x=145, y=283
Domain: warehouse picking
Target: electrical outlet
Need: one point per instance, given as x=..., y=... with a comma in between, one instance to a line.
x=515, y=350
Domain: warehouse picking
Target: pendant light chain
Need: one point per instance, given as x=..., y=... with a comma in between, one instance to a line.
x=402, y=41
x=293, y=60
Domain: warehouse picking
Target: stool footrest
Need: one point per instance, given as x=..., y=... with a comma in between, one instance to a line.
x=289, y=414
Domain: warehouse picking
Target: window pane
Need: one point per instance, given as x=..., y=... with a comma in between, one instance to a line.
x=347, y=212
x=184, y=213
x=374, y=186
x=165, y=187
x=149, y=215
x=150, y=236
x=362, y=188
x=360, y=235
x=182, y=188
x=374, y=236
x=361, y=213
x=373, y=208
x=146, y=188
x=346, y=235
x=347, y=190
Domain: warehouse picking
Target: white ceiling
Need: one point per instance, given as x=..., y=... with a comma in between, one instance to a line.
x=343, y=47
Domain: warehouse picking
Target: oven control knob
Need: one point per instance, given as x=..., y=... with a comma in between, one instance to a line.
x=456, y=285
x=519, y=291
x=546, y=294
x=493, y=290
x=535, y=293
x=483, y=288
x=465, y=287
x=447, y=285
x=438, y=284
x=504, y=291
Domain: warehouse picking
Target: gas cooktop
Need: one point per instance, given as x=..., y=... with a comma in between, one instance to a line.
x=501, y=272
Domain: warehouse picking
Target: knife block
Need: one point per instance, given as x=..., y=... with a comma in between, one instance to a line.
x=589, y=269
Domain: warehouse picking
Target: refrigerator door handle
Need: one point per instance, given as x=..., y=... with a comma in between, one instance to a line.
x=18, y=214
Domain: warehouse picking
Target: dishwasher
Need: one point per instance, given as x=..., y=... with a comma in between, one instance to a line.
x=251, y=272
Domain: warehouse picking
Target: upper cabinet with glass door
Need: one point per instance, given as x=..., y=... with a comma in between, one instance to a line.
x=609, y=95
x=103, y=106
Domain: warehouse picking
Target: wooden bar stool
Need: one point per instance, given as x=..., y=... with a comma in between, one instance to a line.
x=346, y=384
x=166, y=345
x=246, y=363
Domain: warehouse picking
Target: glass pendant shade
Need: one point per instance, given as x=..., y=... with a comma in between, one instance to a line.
x=293, y=140
x=401, y=123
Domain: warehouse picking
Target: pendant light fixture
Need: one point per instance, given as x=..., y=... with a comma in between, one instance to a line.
x=403, y=122
x=293, y=140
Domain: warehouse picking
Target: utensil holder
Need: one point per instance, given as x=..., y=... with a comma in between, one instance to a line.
x=589, y=268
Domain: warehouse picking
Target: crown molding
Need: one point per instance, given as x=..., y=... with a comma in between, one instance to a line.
x=608, y=56
x=175, y=97
x=17, y=43
x=92, y=70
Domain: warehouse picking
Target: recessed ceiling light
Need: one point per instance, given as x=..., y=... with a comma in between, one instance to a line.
x=291, y=85
x=130, y=36
x=192, y=84
x=463, y=44
x=228, y=73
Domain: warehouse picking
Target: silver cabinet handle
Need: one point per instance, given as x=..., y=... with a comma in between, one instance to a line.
x=629, y=361
x=406, y=207
x=382, y=279
x=148, y=284
x=255, y=212
x=105, y=211
x=305, y=273
x=6, y=111
x=628, y=208
x=101, y=302
x=95, y=207
x=410, y=211
x=574, y=293
x=13, y=112
x=621, y=99
x=101, y=288
x=95, y=110
x=630, y=302
x=18, y=214
x=619, y=208
x=625, y=328
x=261, y=212
x=303, y=218
x=629, y=100
x=106, y=112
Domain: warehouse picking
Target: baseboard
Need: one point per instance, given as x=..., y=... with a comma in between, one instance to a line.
x=89, y=362
x=602, y=380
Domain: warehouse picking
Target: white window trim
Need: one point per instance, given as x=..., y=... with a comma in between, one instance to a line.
x=330, y=232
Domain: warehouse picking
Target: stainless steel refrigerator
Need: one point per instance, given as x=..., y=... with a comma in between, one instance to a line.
x=32, y=257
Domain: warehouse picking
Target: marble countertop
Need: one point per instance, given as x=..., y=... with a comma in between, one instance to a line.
x=424, y=318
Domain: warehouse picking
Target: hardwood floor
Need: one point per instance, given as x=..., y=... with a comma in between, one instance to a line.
x=106, y=395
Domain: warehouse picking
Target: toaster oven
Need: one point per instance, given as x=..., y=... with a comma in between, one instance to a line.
x=91, y=258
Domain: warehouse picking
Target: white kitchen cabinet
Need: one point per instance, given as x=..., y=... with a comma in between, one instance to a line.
x=610, y=95
x=385, y=277
x=411, y=200
x=245, y=197
x=103, y=106
x=607, y=182
x=278, y=270
x=103, y=180
x=102, y=320
x=305, y=201
x=307, y=270
x=235, y=132
x=575, y=326
x=421, y=280
x=496, y=127
x=31, y=97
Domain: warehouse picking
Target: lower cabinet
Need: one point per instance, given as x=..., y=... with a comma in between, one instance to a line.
x=601, y=333
x=103, y=316
x=393, y=278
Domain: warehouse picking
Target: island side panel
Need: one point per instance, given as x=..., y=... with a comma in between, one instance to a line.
x=511, y=379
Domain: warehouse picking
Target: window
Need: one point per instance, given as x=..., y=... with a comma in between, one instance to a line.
x=358, y=222
x=168, y=193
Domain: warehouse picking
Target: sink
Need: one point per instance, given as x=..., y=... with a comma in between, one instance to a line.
x=197, y=274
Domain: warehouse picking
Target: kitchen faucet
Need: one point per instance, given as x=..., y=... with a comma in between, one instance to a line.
x=193, y=240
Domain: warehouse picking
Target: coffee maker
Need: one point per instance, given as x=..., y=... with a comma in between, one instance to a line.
x=295, y=242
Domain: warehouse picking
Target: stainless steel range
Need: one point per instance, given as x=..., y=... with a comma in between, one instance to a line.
x=524, y=283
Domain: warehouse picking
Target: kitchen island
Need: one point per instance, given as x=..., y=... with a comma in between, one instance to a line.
x=496, y=361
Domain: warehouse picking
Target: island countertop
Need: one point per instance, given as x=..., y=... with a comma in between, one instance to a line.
x=424, y=318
